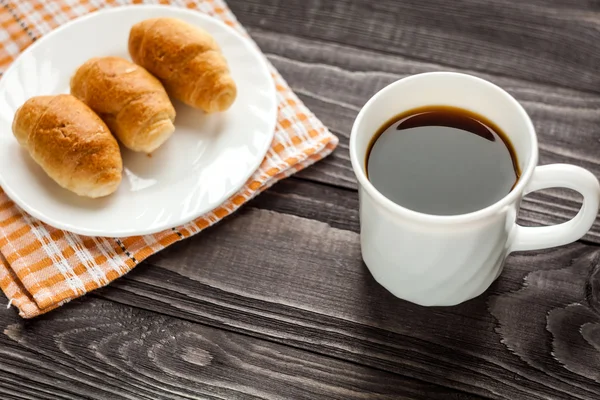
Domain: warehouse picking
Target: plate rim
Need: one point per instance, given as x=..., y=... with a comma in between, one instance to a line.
x=249, y=45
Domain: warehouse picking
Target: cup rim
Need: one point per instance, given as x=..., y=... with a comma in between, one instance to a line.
x=511, y=197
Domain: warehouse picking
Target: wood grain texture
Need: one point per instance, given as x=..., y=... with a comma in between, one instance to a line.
x=335, y=81
x=275, y=302
x=549, y=41
x=302, y=283
x=95, y=349
x=566, y=307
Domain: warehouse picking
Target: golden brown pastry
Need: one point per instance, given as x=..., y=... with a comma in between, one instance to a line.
x=71, y=143
x=186, y=59
x=131, y=101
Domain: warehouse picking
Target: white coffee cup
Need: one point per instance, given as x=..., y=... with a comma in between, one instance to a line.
x=444, y=260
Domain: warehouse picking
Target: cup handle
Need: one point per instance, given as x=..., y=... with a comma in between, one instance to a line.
x=565, y=176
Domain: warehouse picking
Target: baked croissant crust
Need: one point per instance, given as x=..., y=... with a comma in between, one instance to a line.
x=71, y=144
x=186, y=59
x=131, y=101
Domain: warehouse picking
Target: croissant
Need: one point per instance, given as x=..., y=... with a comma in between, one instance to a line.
x=186, y=59
x=131, y=101
x=71, y=144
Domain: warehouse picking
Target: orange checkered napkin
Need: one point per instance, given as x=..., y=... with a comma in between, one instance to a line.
x=42, y=267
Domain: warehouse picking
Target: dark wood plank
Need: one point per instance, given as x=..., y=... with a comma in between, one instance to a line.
x=301, y=282
x=95, y=349
x=18, y=393
x=334, y=81
x=550, y=41
x=566, y=310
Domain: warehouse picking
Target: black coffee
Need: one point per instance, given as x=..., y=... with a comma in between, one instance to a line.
x=442, y=160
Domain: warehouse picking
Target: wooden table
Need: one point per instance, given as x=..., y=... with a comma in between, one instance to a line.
x=275, y=302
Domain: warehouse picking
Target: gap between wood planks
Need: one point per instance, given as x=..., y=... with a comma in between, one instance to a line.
x=468, y=32
x=412, y=57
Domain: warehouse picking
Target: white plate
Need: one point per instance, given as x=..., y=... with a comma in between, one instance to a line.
x=208, y=158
